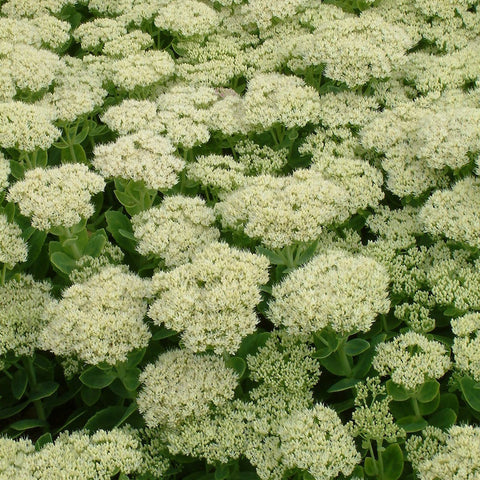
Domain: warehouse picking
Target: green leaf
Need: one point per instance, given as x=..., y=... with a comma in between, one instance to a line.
x=251, y=343
x=127, y=234
x=62, y=262
x=135, y=357
x=343, y=384
x=95, y=377
x=43, y=390
x=28, y=423
x=428, y=391
x=19, y=383
x=443, y=418
x=428, y=408
x=397, y=392
x=130, y=378
x=449, y=400
x=163, y=333
x=89, y=395
x=117, y=221
x=73, y=154
x=471, y=392
x=11, y=411
x=130, y=410
x=453, y=312
x=80, y=137
x=35, y=243
x=106, y=419
x=356, y=347
x=238, y=364
x=17, y=170
x=96, y=243
x=273, y=257
x=126, y=199
x=392, y=458
x=412, y=423
x=364, y=361
x=334, y=365
x=370, y=466
x=43, y=440
x=326, y=342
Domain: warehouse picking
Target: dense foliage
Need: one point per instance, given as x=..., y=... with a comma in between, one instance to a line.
x=239, y=239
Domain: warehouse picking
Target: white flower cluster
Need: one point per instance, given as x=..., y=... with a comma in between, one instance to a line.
x=457, y=456
x=284, y=210
x=99, y=320
x=26, y=126
x=75, y=455
x=13, y=248
x=316, y=441
x=182, y=383
x=56, y=196
x=140, y=156
x=212, y=299
x=221, y=172
x=176, y=231
x=410, y=359
x=336, y=289
x=354, y=49
x=22, y=314
x=274, y=98
x=454, y=213
x=466, y=344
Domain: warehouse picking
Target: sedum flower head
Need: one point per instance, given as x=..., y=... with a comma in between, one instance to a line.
x=100, y=319
x=336, y=289
x=283, y=210
x=13, y=248
x=221, y=172
x=142, y=69
x=372, y=419
x=140, y=156
x=212, y=299
x=410, y=359
x=56, y=196
x=457, y=457
x=354, y=49
x=13, y=457
x=32, y=69
x=130, y=116
x=454, y=213
x=284, y=364
x=187, y=17
x=466, y=344
x=4, y=172
x=79, y=456
x=274, y=98
x=31, y=8
x=26, y=126
x=315, y=440
x=176, y=231
x=23, y=301
x=181, y=383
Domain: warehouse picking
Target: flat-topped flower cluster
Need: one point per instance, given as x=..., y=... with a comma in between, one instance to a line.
x=239, y=239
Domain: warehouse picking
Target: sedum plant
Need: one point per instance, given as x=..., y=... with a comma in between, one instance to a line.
x=239, y=239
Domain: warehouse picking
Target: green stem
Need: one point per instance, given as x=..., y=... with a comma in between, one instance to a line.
x=74, y=247
x=4, y=270
x=32, y=379
x=380, y=459
x=416, y=408
x=342, y=357
x=372, y=454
